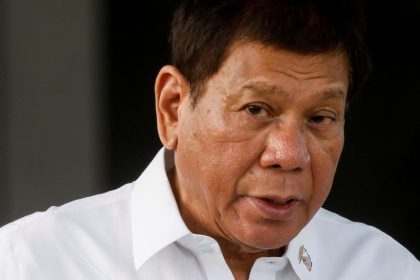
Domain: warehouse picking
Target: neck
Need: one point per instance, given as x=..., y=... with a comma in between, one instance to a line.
x=241, y=261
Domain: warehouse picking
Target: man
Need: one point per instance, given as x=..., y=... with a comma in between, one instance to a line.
x=251, y=116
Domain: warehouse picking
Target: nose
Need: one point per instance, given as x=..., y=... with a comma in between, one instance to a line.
x=286, y=148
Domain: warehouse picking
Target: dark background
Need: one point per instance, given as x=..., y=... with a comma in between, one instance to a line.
x=377, y=180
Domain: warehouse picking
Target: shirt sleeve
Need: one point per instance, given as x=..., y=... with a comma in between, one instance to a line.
x=8, y=264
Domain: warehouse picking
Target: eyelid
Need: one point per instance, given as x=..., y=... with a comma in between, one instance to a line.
x=326, y=112
x=263, y=106
x=329, y=117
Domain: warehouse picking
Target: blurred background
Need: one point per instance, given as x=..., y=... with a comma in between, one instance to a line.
x=77, y=113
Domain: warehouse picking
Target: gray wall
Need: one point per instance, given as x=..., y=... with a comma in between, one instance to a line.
x=51, y=112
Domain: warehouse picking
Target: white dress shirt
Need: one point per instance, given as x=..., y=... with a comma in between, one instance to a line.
x=136, y=232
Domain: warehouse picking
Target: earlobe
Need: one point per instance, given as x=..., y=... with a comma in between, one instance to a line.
x=171, y=90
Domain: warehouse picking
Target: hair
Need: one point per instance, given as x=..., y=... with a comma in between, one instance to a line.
x=202, y=32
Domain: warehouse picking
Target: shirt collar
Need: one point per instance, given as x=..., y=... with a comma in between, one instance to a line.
x=155, y=218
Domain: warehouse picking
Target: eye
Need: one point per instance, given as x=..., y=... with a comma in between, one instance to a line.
x=322, y=119
x=257, y=111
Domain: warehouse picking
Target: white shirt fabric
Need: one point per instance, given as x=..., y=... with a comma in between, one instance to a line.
x=136, y=232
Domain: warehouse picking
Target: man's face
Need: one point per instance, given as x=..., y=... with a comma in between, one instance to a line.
x=255, y=159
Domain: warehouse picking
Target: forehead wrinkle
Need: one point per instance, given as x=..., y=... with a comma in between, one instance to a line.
x=298, y=75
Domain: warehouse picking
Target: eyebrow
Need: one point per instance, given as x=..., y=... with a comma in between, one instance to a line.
x=264, y=88
x=332, y=94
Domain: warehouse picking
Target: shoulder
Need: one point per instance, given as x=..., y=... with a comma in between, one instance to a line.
x=42, y=236
x=351, y=235
x=79, y=209
x=364, y=248
x=335, y=227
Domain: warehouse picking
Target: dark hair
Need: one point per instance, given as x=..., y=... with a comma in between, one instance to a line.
x=203, y=30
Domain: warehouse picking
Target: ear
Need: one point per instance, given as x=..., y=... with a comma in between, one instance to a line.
x=171, y=90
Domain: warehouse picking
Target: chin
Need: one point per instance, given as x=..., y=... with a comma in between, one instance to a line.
x=268, y=237
x=276, y=234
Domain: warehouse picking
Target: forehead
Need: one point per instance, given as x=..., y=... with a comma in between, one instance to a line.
x=247, y=62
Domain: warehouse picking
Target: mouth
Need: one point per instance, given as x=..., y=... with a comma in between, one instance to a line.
x=274, y=208
x=278, y=202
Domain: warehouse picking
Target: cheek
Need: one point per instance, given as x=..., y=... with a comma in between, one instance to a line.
x=208, y=160
x=222, y=141
x=324, y=165
x=227, y=164
x=220, y=167
x=216, y=151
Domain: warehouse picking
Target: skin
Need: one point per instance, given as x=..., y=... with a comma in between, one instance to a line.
x=255, y=158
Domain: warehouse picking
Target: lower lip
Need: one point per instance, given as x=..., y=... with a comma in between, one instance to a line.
x=273, y=211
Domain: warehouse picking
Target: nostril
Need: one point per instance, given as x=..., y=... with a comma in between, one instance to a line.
x=278, y=166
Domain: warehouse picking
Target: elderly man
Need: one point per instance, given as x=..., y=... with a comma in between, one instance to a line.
x=251, y=116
